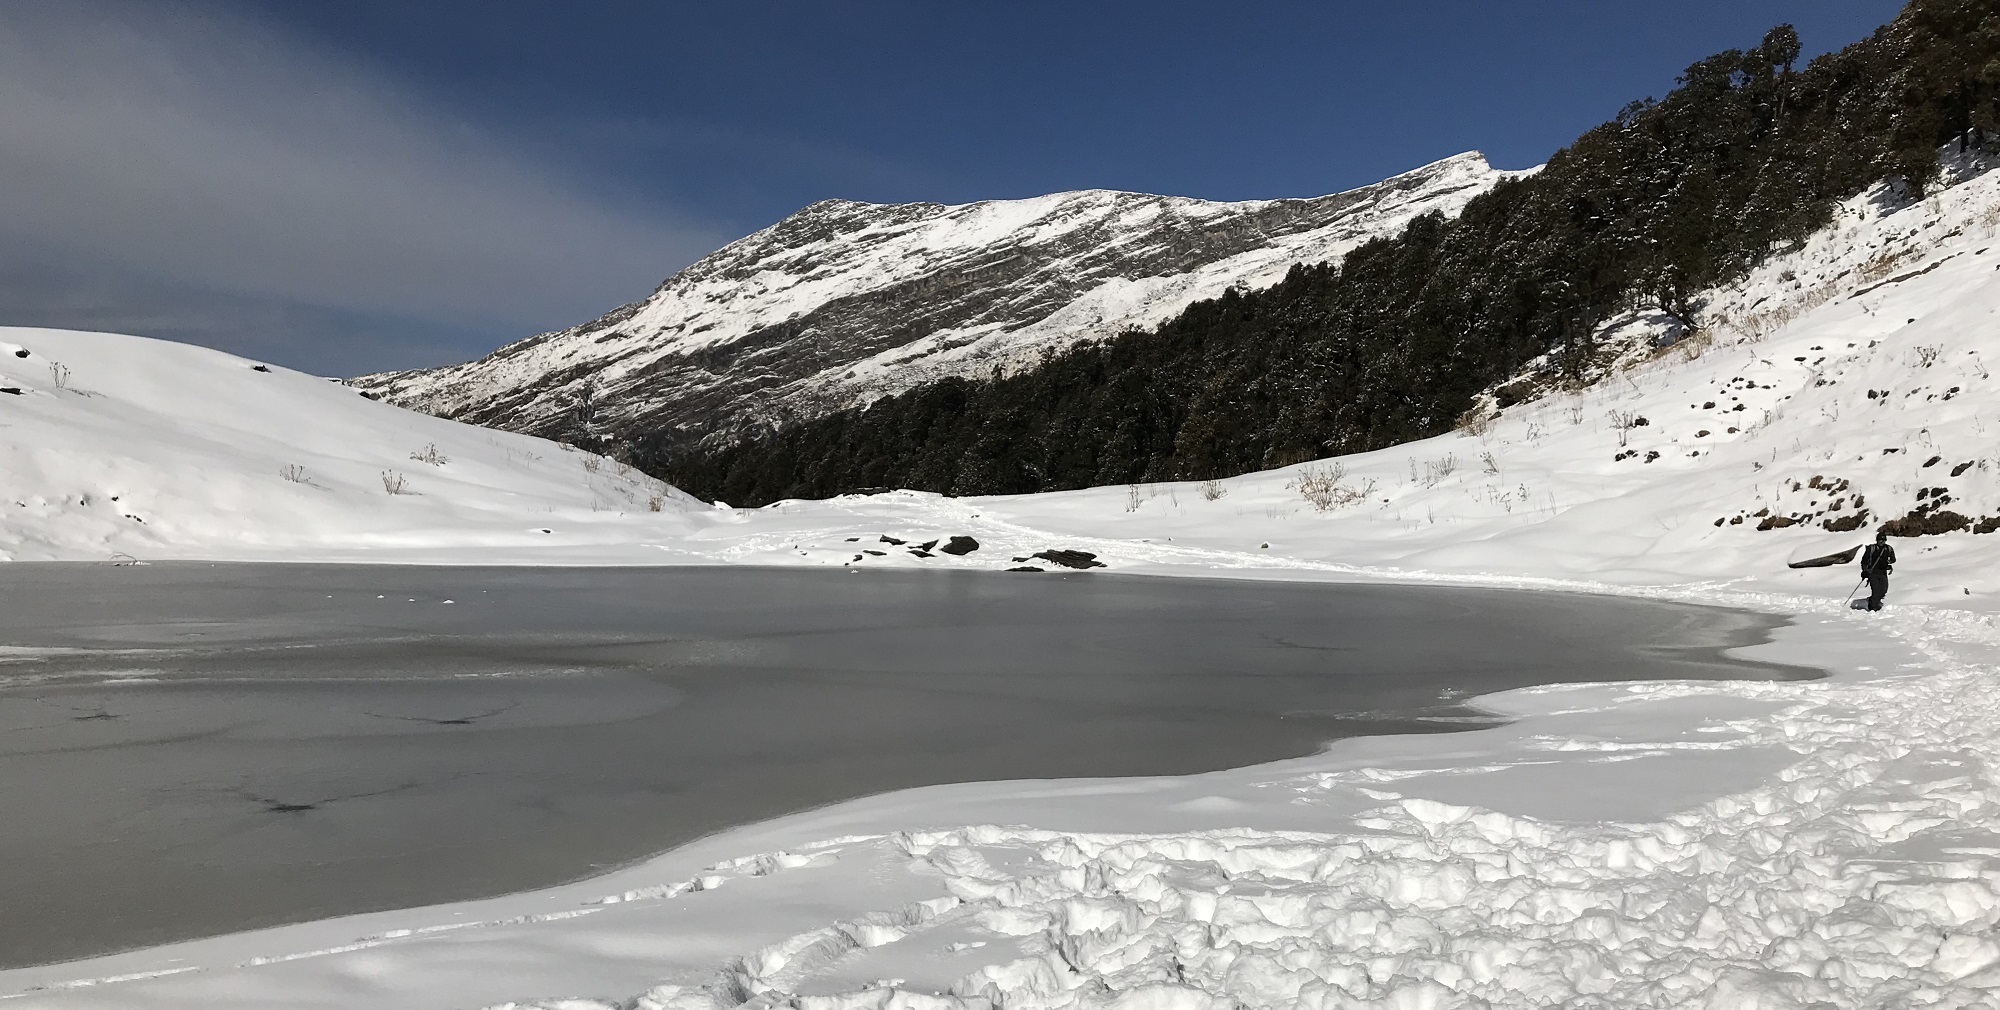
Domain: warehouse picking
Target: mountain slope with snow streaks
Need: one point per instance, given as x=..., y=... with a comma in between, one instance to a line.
x=844, y=302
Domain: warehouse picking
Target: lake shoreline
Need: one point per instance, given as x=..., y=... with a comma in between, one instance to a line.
x=1155, y=685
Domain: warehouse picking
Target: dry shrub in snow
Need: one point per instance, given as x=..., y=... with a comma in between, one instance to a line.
x=1476, y=422
x=1435, y=471
x=395, y=483
x=1212, y=490
x=1623, y=421
x=656, y=503
x=1883, y=265
x=1918, y=524
x=1322, y=487
x=293, y=472
x=1758, y=325
x=430, y=454
x=1695, y=343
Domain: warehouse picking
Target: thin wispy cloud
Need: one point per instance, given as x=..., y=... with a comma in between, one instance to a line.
x=183, y=149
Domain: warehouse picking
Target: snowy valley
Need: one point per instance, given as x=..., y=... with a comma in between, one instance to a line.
x=1716, y=845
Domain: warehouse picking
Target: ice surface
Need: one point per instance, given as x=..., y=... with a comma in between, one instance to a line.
x=326, y=758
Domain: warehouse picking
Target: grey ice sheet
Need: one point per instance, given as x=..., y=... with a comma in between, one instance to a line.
x=194, y=749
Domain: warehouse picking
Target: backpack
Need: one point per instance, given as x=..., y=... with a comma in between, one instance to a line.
x=1876, y=558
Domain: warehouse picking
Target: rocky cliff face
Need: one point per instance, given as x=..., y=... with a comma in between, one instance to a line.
x=844, y=302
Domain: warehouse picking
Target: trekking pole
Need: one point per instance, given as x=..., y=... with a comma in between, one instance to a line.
x=1851, y=592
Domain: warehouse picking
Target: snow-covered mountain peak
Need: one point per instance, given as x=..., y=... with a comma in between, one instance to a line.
x=946, y=226
x=845, y=301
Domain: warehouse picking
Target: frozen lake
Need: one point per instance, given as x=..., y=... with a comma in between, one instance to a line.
x=194, y=749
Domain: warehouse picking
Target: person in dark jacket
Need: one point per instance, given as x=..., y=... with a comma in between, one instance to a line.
x=1876, y=563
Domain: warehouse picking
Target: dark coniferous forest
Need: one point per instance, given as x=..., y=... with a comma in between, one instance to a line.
x=1748, y=154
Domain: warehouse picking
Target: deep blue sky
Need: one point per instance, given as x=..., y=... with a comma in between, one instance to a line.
x=380, y=183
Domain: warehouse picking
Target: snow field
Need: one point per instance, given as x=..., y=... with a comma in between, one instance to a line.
x=1787, y=896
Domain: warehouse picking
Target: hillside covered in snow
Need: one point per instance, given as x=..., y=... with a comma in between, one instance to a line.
x=1854, y=368
x=844, y=301
x=126, y=447
x=1748, y=157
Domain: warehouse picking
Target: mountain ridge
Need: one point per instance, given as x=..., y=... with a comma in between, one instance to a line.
x=846, y=301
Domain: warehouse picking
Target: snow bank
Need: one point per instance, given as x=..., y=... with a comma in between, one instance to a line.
x=1684, y=845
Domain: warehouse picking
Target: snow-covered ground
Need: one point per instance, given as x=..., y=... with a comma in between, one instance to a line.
x=1714, y=845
